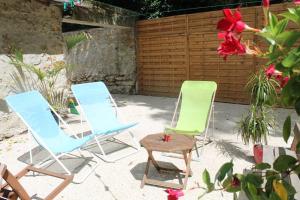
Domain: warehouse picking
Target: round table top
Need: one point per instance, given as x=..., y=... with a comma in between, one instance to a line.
x=178, y=142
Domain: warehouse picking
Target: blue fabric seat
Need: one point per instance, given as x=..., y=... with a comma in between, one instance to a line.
x=37, y=114
x=34, y=110
x=99, y=109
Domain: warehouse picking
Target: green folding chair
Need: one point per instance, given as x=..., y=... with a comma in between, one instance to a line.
x=194, y=108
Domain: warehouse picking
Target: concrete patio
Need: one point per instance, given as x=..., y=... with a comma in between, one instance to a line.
x=121, y=180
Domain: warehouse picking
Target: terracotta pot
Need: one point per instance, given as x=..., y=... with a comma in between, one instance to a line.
x=258, y=153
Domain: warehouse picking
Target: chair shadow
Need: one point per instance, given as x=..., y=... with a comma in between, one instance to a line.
x=109, y=147
x=35, y=197
x=138, y=172
x=75, y=163
x=229, y=149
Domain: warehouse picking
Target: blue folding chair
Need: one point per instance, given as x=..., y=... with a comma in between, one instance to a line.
x=101, y=113
x=35, y=112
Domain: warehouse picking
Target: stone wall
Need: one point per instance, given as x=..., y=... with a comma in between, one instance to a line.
x=35, y=28
x=104, y=14
x=108, y=56
x=30, y=25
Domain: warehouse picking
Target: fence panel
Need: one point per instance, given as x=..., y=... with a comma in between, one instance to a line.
x=184, y=47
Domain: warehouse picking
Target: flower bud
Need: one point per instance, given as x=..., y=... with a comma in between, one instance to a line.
x=266, y=3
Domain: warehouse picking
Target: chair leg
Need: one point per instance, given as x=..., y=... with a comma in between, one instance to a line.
x=197, y=151
x=62, y=165
x=30, y=146
x=213, y=122
x=104, y=156
x=81, y=180
x=138, y=146
x=90, y=171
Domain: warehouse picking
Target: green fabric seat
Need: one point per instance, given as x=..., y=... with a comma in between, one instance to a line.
x=196, y=101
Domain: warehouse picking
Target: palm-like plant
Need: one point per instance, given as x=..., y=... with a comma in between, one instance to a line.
x=27, y=77
x=73, y=40
x=256, y=125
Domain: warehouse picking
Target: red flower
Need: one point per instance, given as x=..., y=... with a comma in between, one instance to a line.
x=232, y=21
x=174, y=194
x=278, y=76
x=167, y=138
x=266, y=3
x=231, y=46
x=270, y=71
x=235, y=182
x=297, y=2
x=284, y=81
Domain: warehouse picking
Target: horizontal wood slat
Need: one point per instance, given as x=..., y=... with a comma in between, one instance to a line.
x=184, y=47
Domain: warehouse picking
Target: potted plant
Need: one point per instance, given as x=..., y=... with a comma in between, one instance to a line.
x=255, y=126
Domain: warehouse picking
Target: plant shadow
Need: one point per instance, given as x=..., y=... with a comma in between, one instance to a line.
x=230, y=149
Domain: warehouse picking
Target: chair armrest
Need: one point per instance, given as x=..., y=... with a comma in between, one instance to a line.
x=2, y=172
x=67, y=179
x=2, y=169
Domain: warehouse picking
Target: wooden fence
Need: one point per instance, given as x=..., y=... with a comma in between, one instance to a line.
x=184, y=47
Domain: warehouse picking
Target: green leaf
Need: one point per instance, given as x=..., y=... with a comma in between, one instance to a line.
x=297, y=169
x=252, y=189
x=19, y=55
x=273, y=21
x=232, y=189
x=291, y=16
x=288, y=38
x=292, y=11
x=290, y=60
x=73, y=40
x=287, y=128
x=294, y=92
x=280, y=27
x=297, y=106
x=289, y=188
x=254, y=179
x=274, y=53
x=288, y=92
x=262, y=166
x=274, y=196
x=298, y=148
x=206, y=177
x=226, y=168
x=267, y=35
x=284, y=162
x=271, y=175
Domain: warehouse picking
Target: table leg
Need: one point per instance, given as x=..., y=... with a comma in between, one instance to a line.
x=153, y=161
x=146, y=172
x=188, y=167
x=185, y=156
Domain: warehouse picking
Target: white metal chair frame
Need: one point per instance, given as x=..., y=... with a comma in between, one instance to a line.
x=99, y=138
x=48, y=160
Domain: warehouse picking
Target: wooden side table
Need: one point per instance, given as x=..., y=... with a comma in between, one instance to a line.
x=178, y=143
